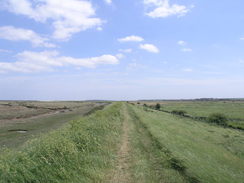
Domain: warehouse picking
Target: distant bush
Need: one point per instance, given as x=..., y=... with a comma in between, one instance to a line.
x=145, y=105
x=157, y=106
x=218, y=118
x=179, y=112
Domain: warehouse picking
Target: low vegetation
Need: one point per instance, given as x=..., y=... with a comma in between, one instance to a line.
x=19, y=123
x=157, y=106
x=179, y=112
x=80, y=152
x=218, y=119
x=201, y=110
x=130, y=143
x=200, y=152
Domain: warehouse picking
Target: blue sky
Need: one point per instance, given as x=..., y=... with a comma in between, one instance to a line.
x=121, y=50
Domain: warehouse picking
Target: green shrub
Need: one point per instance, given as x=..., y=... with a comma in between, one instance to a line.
x=177, y=164
x=157, y=106
x=179, y=112
x=217, y=118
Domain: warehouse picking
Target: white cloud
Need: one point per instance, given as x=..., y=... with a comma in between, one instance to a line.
x=131, y=39
x=162, y=9
x=45, y=61
x=242, y=38
x=182, y=43
x=125, y=50
x=17, y=34
x=67, y=16
x=150, y=48
x=108, y=1
x=99, y=28
x=186, y=50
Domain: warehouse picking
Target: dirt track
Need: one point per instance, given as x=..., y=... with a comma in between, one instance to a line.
x=122, y=173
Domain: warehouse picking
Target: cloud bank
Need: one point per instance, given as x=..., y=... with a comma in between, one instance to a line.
x=17, y=34
x=66, y=16
x=28, y=62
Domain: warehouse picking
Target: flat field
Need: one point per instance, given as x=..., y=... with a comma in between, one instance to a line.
x=232, y=109
x=22, y=120
x=128, y=143
x=204, y=152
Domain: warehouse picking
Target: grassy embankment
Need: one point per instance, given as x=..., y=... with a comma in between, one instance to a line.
x=156, y=147
x=148, y=161
x=82, y=151
x=16, y=130
x=198, y=151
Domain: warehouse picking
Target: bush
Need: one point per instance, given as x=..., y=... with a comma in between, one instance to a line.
x=179, y=112
x=157, y=106
x=217, y=118
x=177, y=164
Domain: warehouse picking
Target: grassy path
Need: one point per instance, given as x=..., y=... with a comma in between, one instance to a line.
x=122, y=173
x=139, y=158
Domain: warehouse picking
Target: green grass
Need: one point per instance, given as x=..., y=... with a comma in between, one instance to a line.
x=208, y=153
x=233, y=110
x=162, y=148
x=148, y=162
x=82, y=151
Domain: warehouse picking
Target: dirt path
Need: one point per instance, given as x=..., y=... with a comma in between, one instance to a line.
x=122, y=174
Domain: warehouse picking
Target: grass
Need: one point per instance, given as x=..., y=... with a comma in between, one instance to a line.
x=26, y=109
x=207, y=153
x=34, y=126
x=233, y=110
x=82, y=151
x=158, y=147
x=147, y=160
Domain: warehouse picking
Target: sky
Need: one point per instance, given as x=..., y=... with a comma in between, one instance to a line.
x=121, y=49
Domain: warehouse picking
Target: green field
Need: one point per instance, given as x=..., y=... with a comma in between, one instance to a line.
x=208, y=153
x=232, y=109
x=129, y=143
